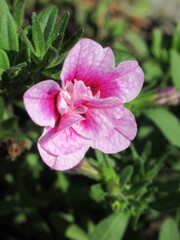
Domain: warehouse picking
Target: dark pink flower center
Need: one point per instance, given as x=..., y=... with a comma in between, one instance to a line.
x=73, y=97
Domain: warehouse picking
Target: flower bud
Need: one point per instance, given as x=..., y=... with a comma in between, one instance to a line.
x=168, y=96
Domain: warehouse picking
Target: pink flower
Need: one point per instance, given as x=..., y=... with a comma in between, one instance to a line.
x=87, y=110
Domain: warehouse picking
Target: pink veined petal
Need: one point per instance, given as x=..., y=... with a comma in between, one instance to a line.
x=64, y=162
x=100, y=118
x=124, y=82
x=95, y=66
x=127, y=125
x=120, y=137
x=71, y=160
x=103, y=103
x=39, y=102
x=69, y=119
x=89, y=62
x=63, y=142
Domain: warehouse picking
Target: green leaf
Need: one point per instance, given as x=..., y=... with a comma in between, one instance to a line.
x=175, y=69
x=8, y=36
x=58, y=31
x=18, y=12
x=112, y=227
x=137, y=43
x=23, y=55
x=121, y=55
x=53, y=73
x=168, y=203
x=25, y=39
x=99, y=156
x=126, y=175
x=1, y=107
x=50, y=56
x=138, y=187
x=168, y=124
x=157, y=46
x=14, y=71
x=176, y=38
x=38, y=38
x=71, y=41
x=74, y=232
x=97, y=189
x=4, y=60
x=152, y=71
x=169, y=230
x=57, y=60
x=47, y=20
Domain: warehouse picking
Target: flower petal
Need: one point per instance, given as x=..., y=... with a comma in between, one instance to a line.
x=89, y=62
x=63, y=142
x=68, y=119
x=120, y=137
x=127, y=125
x=124, y=82
x=39, y=102
x=100, y=118
x=64, y=162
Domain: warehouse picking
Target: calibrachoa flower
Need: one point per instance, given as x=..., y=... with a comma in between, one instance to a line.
x=87, y=110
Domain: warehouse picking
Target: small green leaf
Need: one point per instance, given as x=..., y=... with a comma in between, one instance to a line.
x=112, y=227
x=58, y=31
x=175, y=69
x=57, y=60
x=157, y=46
x=4, y=60
x=97, y=189
x=126, y=175
x=8, y=36
x=176, y=38
x=71, y=41
x=169, y=230
x=53, y=73
x=74, y=232
x=38, y=38
x=18, y=12
x=25, y=39
x=99, y=156
x=137, y=43
x=138, y=187
x=168, y=203
x=14, y=71
x=47, y=20
x=168, y=124
x=152, y=71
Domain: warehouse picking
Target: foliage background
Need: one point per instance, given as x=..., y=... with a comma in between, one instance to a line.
x=39, y=203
